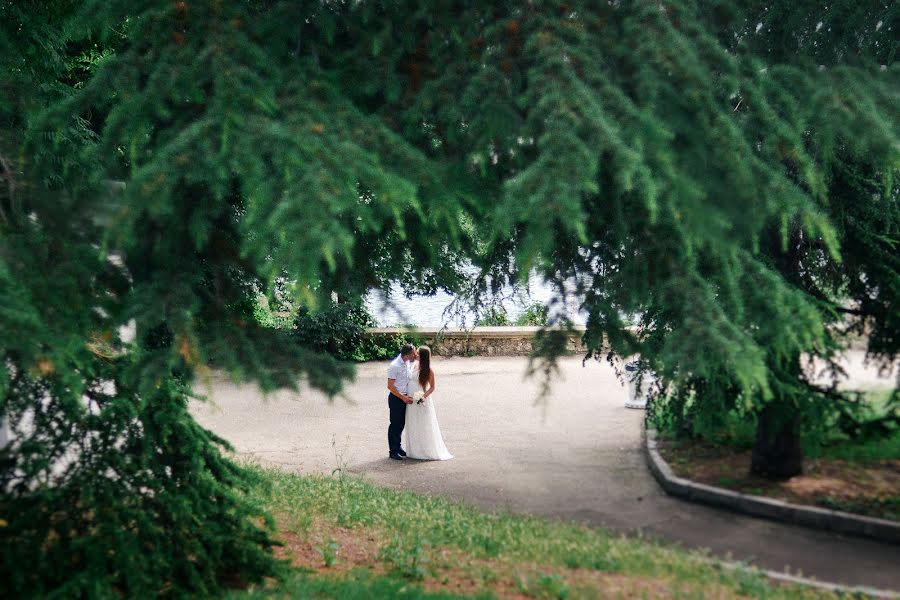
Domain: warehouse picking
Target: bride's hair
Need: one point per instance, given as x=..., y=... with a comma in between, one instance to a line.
x=424, y=365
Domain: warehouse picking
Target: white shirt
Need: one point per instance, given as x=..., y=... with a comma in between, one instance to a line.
x=399, y=372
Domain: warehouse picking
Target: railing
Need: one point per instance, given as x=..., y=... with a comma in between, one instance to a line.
x=479, y=341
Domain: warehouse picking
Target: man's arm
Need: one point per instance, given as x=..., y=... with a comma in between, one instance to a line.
x=393, y=389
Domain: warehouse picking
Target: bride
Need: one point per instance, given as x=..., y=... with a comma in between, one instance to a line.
x=423, y=434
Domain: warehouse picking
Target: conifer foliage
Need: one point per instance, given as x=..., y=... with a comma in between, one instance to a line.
x=725, y=171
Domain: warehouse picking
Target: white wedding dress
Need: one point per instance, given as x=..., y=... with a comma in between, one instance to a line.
x=423, y=434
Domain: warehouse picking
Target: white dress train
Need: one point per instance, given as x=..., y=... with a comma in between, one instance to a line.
x=423, y=433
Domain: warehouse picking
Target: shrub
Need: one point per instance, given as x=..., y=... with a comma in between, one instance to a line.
x=337, y=329
x=495, y=316
x=386, y=346
x=341, y=331
x=264, y=314
x=534, y=314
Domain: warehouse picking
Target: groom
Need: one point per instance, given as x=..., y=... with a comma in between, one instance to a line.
x=398, y=385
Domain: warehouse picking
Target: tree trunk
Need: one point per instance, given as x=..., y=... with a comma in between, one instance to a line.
x=777, y=453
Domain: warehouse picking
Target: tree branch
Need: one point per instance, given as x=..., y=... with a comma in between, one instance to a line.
x=827, y=392
x=9, y=176
x=854, y=311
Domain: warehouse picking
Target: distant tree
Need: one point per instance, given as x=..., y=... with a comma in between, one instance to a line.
x=726, y=171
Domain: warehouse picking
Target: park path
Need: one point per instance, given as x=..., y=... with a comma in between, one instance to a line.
x=577, y=456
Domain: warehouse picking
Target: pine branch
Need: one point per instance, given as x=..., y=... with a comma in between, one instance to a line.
x=854, y=311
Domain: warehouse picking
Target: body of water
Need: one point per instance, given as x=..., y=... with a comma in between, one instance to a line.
x=431, y=311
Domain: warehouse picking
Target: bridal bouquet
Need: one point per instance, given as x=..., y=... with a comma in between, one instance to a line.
x=419, y=397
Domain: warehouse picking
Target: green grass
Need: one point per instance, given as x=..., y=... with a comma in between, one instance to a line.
x=884, y=508
x=414, y=519
x=414, y=529
x=863, y=452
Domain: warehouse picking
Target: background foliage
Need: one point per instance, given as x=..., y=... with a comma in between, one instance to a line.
x=340, y=330
x=337, y=330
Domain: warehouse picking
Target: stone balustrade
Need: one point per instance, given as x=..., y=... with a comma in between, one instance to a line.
x=481, y=341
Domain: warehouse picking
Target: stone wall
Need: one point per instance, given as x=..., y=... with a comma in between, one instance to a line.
x=482, y=341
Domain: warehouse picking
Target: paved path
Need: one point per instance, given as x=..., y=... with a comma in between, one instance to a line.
x=577, y=457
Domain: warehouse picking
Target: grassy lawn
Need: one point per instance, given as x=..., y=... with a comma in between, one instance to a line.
x=346, y=538
x=858, y=476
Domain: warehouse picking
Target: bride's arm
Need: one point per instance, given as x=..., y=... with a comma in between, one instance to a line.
x=430, y=389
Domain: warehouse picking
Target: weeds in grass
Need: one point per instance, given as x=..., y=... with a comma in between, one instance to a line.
x=605, y=561
x=328, y=551
x=544, y=586
x=340, y=462
x=751, y=582
x=488, y=575
x=862, y=452
x=408, y=560
x=885, y=508
x=486, y=541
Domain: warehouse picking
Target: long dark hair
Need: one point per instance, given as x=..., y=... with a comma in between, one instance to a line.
x=424, y=365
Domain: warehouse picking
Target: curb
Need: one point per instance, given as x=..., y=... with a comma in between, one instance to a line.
x=767, y=508
x=788, y=579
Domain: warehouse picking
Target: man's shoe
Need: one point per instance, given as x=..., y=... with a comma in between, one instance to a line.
x=395, y=456
x=401, y=452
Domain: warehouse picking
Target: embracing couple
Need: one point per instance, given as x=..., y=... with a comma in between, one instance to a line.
x=411, y=402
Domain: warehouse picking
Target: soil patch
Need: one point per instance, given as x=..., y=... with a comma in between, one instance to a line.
x=871, y=489
x=453, y=571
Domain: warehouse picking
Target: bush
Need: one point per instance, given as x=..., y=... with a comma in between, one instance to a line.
x=535, y=314
x=268, y=318
x=385, y=346
x=494, y=317
x=341, y=331
x=337, y=329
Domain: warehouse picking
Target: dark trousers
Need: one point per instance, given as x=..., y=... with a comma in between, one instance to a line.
x=398, y=421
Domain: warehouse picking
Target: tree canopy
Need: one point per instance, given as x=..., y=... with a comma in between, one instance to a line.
x=726, y=171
